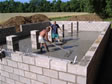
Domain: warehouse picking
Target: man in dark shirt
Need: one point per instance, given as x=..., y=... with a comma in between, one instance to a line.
x=55, y=34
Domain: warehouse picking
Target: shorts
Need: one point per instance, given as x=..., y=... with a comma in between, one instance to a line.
x=41, y=39
x=55, y=35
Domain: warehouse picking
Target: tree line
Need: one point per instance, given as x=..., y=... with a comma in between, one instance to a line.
x=101, y=7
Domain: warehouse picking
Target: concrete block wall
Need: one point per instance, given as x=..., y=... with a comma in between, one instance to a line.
x=26, y=28
x=5, y=32
x=30, y=68
x=83, y=25
x=36, y=69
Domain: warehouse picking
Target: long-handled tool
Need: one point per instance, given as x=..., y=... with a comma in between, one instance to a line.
x=68, y=52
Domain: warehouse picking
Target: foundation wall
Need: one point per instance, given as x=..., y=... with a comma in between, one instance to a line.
x=30, y=68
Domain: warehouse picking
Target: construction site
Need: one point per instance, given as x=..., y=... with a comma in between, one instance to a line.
x=75, y=60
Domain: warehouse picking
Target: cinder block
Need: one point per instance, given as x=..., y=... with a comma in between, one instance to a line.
x=5, y=74
x=71, y=83
x=16, y=82
x=8, y=69
x=23, y=66
x=19, y=72
x=81, y=80
x=12, y=63
x=14, y=76
x=77, y=69
x=35, y=82
x=25, y=80
x=43, y=62
x=30, y=75
x=10, y=81
x=16, y=57
x=28, y=59
x=43, y=79
x=50, y=73
x=59, y=65
x=67, y=77
x=55, y=81
x=4, y=61
x=35, y=69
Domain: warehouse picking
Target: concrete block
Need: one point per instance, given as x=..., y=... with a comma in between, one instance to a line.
x=5, y=74
x=43, y=79
x=10, y=81
x=35, y=82
x=50, y=73
x=19, y=72
x=25, y=80
x=67, y=77
x=30, y=75
x=77, y=69
x=81, y=80
x=12, y=63
x=43, y=62
x=71, y=83
x=16, y=57
x=28, y=59
x=4, y=61
x=59, y=65
x=23, y=66
x=8, y=69
x=55, y=81
x=16, y=82
x=14, y=76
x=35, y=69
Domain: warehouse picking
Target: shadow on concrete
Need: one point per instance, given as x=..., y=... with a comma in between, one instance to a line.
x=105, y=72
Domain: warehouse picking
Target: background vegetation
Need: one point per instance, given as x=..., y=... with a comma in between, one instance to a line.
x=101, y=7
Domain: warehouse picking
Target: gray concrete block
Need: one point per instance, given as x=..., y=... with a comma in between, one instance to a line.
x=16, y=82
x=28, y=60
x=43, y=79
x=59, y=65
x=35, y=82
x=16, y=57
x=12, y=63
x=56, y=81
x=23, y=66
x=50, y=73
x=5, y=74
x=81, y=80
x=19, y=72
x=67, y=77
x=36, y=69
x=8, y=69
x=14, y=76
x=43, y=62
x=25, y=80
x=10, y=81
x=30, y=75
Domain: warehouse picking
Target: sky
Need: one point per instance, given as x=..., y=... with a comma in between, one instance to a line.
x=29, y=0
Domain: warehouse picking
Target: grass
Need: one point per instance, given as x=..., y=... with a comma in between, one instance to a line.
x=108, y=19
x=60, y=18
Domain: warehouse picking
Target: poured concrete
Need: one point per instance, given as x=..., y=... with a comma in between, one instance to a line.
x=78, y=45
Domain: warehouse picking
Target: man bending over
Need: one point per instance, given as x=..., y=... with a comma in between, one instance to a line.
x=43, y=37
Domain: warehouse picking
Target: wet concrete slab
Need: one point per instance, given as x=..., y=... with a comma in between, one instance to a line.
x=79, y=45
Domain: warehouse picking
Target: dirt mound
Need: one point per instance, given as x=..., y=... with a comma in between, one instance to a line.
x=89, y=17
x=18, y=20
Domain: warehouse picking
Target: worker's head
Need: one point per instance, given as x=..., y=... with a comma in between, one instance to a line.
x=54, y=22
x=48, y=29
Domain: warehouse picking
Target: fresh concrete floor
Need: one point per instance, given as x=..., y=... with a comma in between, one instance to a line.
x=79, y=45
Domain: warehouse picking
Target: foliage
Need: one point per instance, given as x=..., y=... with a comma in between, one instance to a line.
x=101, y=7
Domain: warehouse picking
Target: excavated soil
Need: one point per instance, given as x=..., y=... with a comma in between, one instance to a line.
x=18, y=20
x=89, y=17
